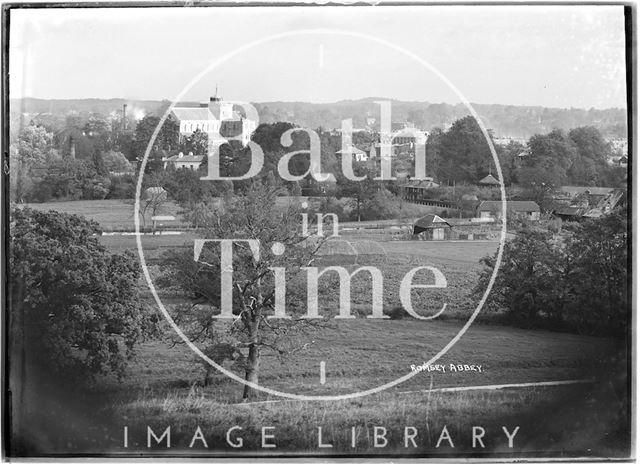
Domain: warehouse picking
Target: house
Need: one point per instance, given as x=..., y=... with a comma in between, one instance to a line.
x=408, y=135
x=431, y=227
x=354, y=152
x=415, y=189
x=217, y=118
x=489, y=181
x=521, y=157
x=180, y=161
x=573, y=191
x=521, y=209
x=623, y=162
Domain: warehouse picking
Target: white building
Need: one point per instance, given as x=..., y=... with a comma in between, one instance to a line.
x=354, y=152
x=180, y=161
x=217, y=118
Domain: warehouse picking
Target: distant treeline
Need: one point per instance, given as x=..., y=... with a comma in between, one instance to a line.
x=505, y=120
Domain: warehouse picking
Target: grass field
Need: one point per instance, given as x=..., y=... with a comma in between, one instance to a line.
x=163, y=386
x=162, y=390
x=362, y=354
x=118, y=214
x=110, y=214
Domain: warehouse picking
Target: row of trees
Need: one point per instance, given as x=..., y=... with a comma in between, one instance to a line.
x=456, y=156
x=576, y=157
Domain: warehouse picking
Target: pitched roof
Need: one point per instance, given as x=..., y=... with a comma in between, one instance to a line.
x=489, y=180
x=192, y=114
x=155, y=189
x=571, y=211
x=199, y=114
x=351, y=151
x=512, y=206
x=431, y=221
x=185, y=158
x=428, y=183
x=577, y=190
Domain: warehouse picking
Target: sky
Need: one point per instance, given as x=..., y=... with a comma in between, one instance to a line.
x=544, y=55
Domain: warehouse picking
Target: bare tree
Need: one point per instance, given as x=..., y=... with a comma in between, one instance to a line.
x=256, y=287
x=153, y=200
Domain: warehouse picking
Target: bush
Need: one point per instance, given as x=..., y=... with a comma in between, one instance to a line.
x=395, y=313
x=578, y=284
x=122, y=188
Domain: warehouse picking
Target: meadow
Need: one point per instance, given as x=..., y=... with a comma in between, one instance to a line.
x=164, y=385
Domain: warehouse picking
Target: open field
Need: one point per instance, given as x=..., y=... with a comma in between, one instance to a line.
x=118, y=214
x=362, y=354
x=162, y=390
x=164, y=384
x=110, y=214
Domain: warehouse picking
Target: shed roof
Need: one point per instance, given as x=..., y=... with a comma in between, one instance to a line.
x=512, y=206
x=431, y=221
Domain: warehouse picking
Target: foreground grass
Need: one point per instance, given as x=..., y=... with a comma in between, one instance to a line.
x=362, y=354
x=544, y=420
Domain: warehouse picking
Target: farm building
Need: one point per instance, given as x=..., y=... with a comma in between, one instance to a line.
x=431, y=227
x=591, y=203
x=415, y=189
x=623, y=162
x=595, y=194
x=521, y=209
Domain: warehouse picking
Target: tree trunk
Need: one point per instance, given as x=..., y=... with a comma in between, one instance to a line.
x=251, y=371
x=208, y=376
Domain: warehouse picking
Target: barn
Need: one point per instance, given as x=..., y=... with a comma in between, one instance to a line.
x=431, y=227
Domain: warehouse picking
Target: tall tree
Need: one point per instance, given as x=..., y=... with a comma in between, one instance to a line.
x=167, y=139
x=32, y=148
x=464, y=152
x=74, y=308
x=254, y=216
